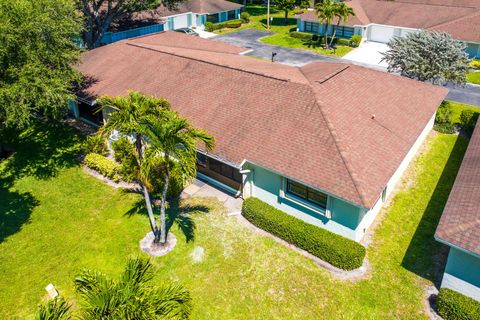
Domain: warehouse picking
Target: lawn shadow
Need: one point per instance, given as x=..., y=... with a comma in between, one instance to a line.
x=177, y=213
x=280, y=22
x=425, y=256
x=15, y=209
x=41, y=150
x=259, y=10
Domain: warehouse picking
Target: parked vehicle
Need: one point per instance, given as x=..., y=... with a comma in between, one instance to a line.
x=187, y=31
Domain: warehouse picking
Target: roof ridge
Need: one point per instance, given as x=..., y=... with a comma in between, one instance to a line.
x=428, y=4
x=341, y=152
x=473, y=14
x=208, y=62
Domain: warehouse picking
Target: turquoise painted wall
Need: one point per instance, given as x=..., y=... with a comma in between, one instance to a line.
x=464, y=266
x=473, y=50
x=267, y=185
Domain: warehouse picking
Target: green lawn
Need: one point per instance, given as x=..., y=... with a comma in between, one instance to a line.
x=258, y=21
x=473, y=77
x=56, y=220
x=457, y=109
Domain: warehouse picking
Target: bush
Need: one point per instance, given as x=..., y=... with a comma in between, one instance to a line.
x=175, y=184
x=444, y=114
x=96, y=144
x=103, y=165
x=231, y=24
x=124, y=153
x=344, y=42
x=475, y=64
x=452, y=305
x=305, y=36
x=245, y=17
x=468, y=119
x=209, y=26
x=445, y=128
x=356, y=39
x=335, y=249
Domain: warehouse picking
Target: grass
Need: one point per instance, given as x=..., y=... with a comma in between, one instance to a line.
x=258, y=21
x=56, y=220
x=473, y=77
x=457, y=109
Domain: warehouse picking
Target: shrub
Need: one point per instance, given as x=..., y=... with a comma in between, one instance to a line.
x=468, y=119
x=103, y=165
x=231, y=24
x=209, y=26
x=475, y=64
x=245, y=17
x=444, y=114
x=356, y=39
x=124, y=153
x=445, y=128
x=305, y=36
x=344, y=42
x=335, y=249
x=453, y=305
x=96, y=144
x=175, y=184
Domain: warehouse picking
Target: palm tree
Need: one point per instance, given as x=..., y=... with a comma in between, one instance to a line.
x=127, y=116
x=326, y=12
x=131, y=296
x=342, y=13
x=55, y=309
x=172, y=139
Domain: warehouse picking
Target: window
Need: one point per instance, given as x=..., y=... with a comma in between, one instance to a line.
x=224, y=170
x=213, y=18
x=318, y=198
x=311, y=27
x=231, y=15
x=344, y=32
x=201, y=159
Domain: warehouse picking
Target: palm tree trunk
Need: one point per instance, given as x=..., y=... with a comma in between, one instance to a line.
x=286, y=17
x=326, y=35
x=148, y=205
x=163, y=227
x=334, y=32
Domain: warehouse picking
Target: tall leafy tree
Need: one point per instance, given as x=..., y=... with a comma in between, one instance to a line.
x=428, y=56
x=99, y=14
x=132, y=295
x=37, y=59
x=128, y=115
x=326, y=12
x=342, y=13
x=175, y=141
x=288, y=5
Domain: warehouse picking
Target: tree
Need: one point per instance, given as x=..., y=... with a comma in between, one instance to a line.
x=326, y=11
x=127, y=115
x=428, y=56
x=131, y=296
x=342, y=13
x=288, y=5
x=37, y=59
x=99, y=14
x=175, y=141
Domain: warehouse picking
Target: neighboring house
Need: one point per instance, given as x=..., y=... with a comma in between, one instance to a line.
x=381, y=20
x=459, y=227
x=326, y=142
x=187, y=14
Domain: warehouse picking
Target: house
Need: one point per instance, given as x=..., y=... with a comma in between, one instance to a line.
x=381, y=20
x=459, y=226
x=187, y=14
x=326, y=142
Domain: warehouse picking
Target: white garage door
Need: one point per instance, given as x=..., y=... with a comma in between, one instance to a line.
x=381, y=34
x=180, y=22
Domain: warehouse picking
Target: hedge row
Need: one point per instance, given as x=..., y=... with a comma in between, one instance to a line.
x=306, y=36
x=221, y=25
x=103, y=165
x=332, y=248
x=453, y=305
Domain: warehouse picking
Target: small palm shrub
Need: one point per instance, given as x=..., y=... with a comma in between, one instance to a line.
x=245, y=17
x=356, y=39
x=96, y=144
x=55, y=309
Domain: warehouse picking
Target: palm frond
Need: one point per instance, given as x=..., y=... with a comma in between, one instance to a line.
x=55, y=309
x=172, y=301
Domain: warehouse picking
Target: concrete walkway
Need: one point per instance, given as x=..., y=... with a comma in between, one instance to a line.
x=204, y=190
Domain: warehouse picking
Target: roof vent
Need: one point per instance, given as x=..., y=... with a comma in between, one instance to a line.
x=373, y=116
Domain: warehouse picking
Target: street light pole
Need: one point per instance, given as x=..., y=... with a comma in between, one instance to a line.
x=268, y=14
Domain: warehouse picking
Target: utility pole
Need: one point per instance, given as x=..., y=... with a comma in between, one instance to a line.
x=268, y=14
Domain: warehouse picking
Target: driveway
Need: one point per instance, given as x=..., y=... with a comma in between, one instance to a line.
x=369, y=54
x=470, y=94
x=249, y=39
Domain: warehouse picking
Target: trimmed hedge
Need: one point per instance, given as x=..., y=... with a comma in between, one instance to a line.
x=356, y=39
x=452, y=305
x=220, y=25
x=475, y=64
x=344, y=42
x=305, y=36
x=468, y=119
x=330, y=247
x=245, y=17
x=103, y=165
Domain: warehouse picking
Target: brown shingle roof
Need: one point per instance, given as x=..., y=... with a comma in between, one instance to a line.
x=459, y=18
x=313, y=124
x=460, y=221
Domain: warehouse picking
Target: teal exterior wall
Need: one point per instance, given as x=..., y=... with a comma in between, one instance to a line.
x=473, y=50
x=343, y=32
x=462, y=273
x=110, y=37
x=266, y=185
